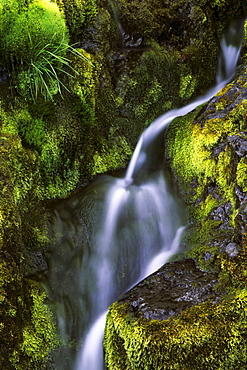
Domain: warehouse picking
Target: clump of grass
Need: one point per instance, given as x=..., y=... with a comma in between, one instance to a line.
x=35, y=45
x=43, y=73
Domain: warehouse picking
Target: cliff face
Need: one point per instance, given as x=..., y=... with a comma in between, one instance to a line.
x=130, y=62
x=153, y=326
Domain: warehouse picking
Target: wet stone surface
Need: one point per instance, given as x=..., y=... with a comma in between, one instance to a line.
x=173, y=288
x=222, y=213
x=232, y=98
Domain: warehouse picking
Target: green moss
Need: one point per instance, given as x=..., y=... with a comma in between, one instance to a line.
x=40, y=337
x=34, y=43
x=187, y=86
x=208, y=168
x=84, y=85
x=242, y=174
x=23, y=230
x=79, y=14
x=204, y=336
x=48, y=148
x=114, y=154
x=31, y=130
x=142, y=93
x=191, y=147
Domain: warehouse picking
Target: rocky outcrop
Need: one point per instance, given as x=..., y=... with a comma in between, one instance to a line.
x=173, y=288
x=208, y=335
x=214, y=182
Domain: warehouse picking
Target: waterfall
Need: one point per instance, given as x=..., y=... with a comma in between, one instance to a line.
x=116, y=232
x=148, y=201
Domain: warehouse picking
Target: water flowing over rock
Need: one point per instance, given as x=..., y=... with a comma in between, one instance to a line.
x=206, y=151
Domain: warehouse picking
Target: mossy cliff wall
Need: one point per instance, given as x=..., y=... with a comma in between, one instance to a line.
x=207, y=151
x=68, y=113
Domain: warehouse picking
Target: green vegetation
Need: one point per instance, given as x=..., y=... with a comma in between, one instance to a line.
x=40, y=337
x=23, y=230
x=208, y=170
x=79, y=14
x=207, y=336
x=209, y=166
x=34, y=43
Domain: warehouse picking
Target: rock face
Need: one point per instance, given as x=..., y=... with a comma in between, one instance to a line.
x=211, y=174
x=173, y=288
x=207, y=335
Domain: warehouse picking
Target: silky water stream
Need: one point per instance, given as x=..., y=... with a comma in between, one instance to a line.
x=117, y=231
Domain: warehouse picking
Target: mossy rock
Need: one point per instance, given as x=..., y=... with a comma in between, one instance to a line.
x=79, y=15
x=28, y=331
x=147, y=64
x=207, y=150
x=206, y=336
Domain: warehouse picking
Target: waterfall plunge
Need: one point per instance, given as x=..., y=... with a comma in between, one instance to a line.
x=117, y=232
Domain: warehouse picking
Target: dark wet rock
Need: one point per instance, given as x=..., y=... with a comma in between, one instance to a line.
x=242, y=197
x=239, y=143
x=207, y=256
x=220, y=242
x=219, y=149
x=173, y=288
x=241, y=218
x=4, y=74
x=213, y=189
x=222, y=214
x=231, y=98
x=34, y=264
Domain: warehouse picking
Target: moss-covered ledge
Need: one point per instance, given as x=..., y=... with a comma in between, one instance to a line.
x=207, y=152
x=206, y=336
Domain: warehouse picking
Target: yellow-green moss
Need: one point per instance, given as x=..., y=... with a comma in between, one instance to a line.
x=187, y=86
x=39, y=336
x=113, y=154
x=207, y=336
x=242, y=174
x=191, y=147
x=23, y=229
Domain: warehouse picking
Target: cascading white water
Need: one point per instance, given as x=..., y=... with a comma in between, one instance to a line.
x=116, y=233
x=138, y=222
x=148, y=202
